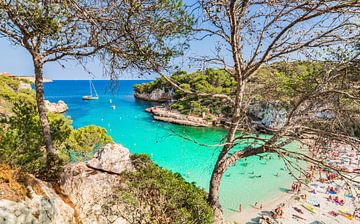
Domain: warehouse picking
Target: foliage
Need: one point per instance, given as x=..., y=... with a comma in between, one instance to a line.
x=281, y=82
x=155, y=195
x=81, y=143
x=10, y=90
x=289, y=82
x=21, y=139
x=213, y=81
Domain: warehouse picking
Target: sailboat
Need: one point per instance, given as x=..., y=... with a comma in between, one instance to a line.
x=91, y=97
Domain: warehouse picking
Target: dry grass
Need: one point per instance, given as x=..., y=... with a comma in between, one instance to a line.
x=10, y=188
x=14, y=184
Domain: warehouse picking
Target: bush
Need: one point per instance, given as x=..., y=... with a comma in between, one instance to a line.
x=81, y=143
x=21, y=140
x=155, y=195
x=22, y=143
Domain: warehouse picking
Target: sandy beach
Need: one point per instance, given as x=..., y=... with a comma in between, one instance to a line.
x=325, y=199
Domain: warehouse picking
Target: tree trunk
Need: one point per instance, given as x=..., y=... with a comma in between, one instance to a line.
x=39, y=86
x=214, y=195
x=221, y=166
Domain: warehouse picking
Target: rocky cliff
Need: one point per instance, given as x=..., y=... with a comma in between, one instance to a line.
x=25, y=199
x=157, y=95
x=86, y=190
x=91, y=185
x=267, y=116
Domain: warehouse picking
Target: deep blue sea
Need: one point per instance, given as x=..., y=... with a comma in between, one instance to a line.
x=132, y=127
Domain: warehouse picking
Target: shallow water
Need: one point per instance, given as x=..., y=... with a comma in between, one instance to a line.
x=131, y=126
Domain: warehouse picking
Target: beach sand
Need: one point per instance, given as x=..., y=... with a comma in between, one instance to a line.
x=316, y=193
x=292, y=200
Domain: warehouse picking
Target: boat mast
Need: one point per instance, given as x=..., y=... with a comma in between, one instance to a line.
x=90, y=87
x=94, y=89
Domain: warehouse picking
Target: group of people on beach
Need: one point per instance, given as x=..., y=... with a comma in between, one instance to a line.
x=277, y=213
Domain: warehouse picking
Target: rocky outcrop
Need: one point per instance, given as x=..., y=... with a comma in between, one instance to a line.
x=268, y=116
x=91, y=186
x=59, y=107
x=112, y=158
x=43, y=206
x=157, y=95
x=164, y=114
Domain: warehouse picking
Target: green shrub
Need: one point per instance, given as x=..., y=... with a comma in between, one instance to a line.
x=21, y=140
x=81, y=143
x=22, y=144
x=154, y=195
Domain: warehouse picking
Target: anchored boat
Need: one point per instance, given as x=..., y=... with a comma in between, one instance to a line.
x=91, y=97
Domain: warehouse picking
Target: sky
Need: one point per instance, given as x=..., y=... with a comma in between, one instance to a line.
x=17, y=61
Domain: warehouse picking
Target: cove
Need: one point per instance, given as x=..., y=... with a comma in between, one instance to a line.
x=132, y=127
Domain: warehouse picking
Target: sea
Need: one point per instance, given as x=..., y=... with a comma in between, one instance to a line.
x=168, y=145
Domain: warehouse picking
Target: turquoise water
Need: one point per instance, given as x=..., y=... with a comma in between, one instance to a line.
x=131, y=126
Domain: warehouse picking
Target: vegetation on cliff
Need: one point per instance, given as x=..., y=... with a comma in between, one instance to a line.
x=212, y=81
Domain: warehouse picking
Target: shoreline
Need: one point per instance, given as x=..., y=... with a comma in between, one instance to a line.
x=252, y=215
x=314, y=202
x=170, y=116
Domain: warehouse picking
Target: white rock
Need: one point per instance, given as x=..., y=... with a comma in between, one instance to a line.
x=112, y=158
x=268, y=115
x=91, y=186
x=157, y=95
x=49, y=209
x=59, y=107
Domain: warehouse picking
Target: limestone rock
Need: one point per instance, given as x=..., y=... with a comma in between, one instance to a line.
x=112, y=158
x=45, y=208
x=157, y=95
x=91, y=186
x=267, y=115
x=59, y=107
x=171, y=116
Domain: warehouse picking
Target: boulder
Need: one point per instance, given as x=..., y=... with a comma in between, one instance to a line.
x=91, y=186
x=43, y=206
x=59, y=107
x=112, y=158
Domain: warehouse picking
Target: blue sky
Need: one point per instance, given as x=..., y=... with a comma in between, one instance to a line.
x=16, y=60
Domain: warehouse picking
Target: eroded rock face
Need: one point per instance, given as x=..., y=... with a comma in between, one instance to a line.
x=267, y=115
x=59, y=107
x=157, y=95
x=45, y=208
x=91, y=186
x=112, y=158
